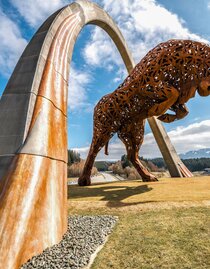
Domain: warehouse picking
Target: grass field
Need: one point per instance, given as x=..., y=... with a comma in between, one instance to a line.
x=164, y=224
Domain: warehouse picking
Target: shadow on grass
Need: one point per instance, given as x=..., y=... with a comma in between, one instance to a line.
x=114, y=195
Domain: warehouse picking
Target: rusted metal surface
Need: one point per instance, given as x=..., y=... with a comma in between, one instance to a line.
x=166, y=78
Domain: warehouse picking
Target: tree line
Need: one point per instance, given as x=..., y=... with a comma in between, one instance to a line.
x=194, y=164
x=156, y=164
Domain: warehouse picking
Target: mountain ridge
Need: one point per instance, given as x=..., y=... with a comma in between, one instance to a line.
x=192, y=154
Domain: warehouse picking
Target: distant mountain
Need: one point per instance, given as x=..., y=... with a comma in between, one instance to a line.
x=201, y=153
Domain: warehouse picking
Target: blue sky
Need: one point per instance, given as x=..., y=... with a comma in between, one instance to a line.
x=97, y=68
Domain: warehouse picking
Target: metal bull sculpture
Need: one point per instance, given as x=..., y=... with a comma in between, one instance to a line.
x=166, y=78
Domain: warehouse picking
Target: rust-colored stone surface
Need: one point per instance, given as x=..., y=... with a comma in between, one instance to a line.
x=33, y=193
x=166, y=78
x=43, y=137
x=50, y=109
x=33, y=208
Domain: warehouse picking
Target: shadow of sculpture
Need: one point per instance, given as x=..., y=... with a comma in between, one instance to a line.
x=114, y=195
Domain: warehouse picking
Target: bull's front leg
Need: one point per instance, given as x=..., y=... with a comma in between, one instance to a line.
x=131, y=134
x=180, y=110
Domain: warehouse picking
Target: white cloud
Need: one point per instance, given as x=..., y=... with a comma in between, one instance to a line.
x=208, y=5
x=184, y=138
x=77, y=94
x=11, y=45
x=12, y=42
x=117, y=79
x=192, y=137
x=36, y=11
x=100, y=50
x=144, y=24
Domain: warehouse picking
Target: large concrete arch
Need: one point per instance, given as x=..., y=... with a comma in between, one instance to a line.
x=33, y=134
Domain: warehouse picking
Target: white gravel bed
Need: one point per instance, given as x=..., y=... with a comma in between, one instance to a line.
x=84, y=235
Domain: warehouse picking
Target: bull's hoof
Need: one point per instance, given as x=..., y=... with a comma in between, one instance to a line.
x=84, y=181
x=150, y=178
x=167, y=118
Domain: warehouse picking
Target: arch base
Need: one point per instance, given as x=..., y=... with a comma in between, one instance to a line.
x=33, y=210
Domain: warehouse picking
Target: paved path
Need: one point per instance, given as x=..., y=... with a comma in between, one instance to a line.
x=102, y=177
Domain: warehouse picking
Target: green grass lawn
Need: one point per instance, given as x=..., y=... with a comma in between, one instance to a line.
x=161, y=225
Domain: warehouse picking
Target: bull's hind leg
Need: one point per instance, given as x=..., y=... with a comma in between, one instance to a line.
x=98, y=141
x=84, y=179
x=132, y=135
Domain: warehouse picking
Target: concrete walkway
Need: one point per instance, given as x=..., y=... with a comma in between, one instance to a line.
x=102, y=177
x=107, y=176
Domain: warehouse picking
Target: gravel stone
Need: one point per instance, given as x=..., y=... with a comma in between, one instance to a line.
x=84, y=235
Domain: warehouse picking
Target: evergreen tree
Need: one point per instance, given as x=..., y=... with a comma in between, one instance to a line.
x=125, y=162
x=198, y=164
x=73, y=157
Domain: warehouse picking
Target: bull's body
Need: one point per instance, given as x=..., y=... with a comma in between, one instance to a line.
x=166, y=78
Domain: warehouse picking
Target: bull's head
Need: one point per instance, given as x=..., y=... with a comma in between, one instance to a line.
x=204, y=87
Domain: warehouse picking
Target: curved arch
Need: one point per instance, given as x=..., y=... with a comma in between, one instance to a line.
x=33, y=154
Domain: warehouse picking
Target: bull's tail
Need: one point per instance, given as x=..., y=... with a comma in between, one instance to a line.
x=106, y=148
